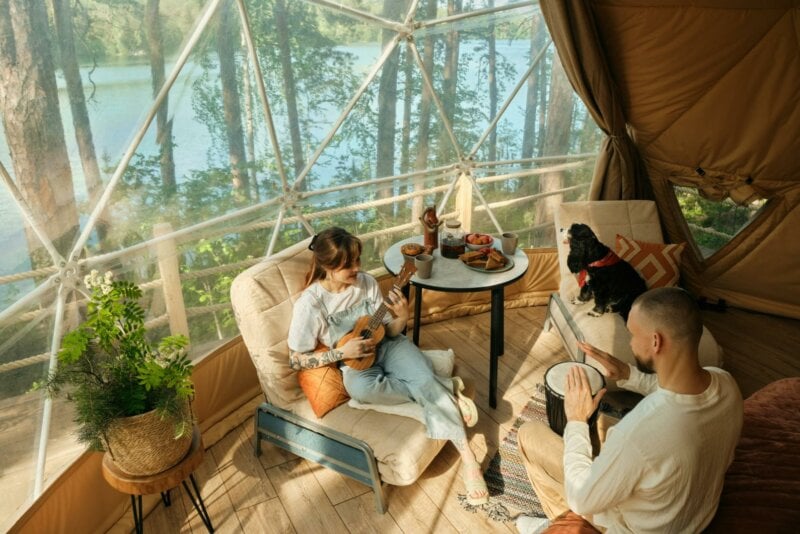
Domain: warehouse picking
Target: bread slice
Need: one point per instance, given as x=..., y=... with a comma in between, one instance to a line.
x=472, y=255
x=495, y=261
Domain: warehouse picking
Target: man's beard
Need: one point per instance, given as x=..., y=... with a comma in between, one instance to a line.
x=644, y=367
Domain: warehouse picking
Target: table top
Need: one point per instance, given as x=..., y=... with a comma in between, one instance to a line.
x=452, y=275
x=149, y=484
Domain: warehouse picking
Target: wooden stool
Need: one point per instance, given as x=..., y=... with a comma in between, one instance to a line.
x=136, y=486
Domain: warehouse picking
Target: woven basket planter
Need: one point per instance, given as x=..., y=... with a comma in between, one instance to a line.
x=145, y=444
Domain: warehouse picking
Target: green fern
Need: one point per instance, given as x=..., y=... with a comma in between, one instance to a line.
x=109, y=370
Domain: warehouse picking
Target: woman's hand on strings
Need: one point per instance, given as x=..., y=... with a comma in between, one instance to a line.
x=358, y=348
x=397, y=304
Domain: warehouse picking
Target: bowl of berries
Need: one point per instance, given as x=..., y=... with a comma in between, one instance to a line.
x=476, y=241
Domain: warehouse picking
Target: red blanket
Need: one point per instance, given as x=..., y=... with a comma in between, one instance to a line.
x=762, y=485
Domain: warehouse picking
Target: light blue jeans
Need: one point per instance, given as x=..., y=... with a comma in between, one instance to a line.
x=401, y=373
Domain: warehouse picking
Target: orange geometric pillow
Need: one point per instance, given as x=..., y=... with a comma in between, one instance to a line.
x=323, y=387
x=657, y=263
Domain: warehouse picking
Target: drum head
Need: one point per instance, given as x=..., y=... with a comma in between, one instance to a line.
x=556, y=377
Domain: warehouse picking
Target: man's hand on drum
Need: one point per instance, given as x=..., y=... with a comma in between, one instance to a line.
x=578, y=402
x=358, y=347
x=611, y=367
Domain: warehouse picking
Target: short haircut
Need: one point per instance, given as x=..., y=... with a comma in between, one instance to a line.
x=674, y=311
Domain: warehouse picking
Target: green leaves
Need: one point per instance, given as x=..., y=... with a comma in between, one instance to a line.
x=110, y=369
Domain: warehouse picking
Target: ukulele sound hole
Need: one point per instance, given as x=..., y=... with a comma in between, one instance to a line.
x=366, y=334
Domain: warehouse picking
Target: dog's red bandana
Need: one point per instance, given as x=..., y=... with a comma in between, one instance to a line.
x=605, y=261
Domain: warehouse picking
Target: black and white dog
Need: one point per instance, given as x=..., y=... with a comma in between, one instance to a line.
x=601, y=274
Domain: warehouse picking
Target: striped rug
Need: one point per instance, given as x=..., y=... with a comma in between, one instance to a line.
x=510, y=491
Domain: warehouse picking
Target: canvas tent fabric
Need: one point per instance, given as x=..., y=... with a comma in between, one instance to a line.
x=708, y=91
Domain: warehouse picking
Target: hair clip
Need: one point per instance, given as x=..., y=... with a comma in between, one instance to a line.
x=313, y=240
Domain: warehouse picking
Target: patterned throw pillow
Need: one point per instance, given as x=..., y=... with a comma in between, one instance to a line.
x=658, y=264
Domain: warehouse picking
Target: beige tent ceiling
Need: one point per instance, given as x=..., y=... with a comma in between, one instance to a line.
x=715, y=85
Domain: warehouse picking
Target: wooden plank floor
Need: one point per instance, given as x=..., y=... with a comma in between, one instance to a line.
x=279, y=492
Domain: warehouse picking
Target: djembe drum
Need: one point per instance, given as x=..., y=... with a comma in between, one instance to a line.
x=555, y=381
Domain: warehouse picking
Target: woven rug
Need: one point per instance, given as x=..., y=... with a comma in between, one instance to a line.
x=510, y=491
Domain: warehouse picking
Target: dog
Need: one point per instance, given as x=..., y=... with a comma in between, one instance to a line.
x=611, y=281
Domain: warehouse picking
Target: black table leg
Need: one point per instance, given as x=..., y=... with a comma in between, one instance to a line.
x=496, y=347
x=406, y=292
x=417, y=312
x=136, y=508
x=166, y=498
x=199, y=505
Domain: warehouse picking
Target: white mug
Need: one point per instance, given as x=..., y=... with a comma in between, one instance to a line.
x=424, y=264
x=509, y=241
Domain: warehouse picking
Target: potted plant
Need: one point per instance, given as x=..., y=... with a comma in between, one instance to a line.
x=131, y=398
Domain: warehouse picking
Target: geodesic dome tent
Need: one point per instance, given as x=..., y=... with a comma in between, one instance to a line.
x=176, y=143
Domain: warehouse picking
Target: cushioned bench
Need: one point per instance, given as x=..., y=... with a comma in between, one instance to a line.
x=366, y=445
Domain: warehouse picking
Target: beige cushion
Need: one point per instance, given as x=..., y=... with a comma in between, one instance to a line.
x=635, y=219
x=262, y=298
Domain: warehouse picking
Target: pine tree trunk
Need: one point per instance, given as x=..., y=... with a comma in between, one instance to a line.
x=557, y=139
x=536, y=89
x=33, y=128
x=387, y=109
x=62, y=15
x=449, y=83
x=249, y=130
x=227, y=41
x=289, y=87
x=155, y=48
x=492, y=72
x=408, y=96
x=424, y=129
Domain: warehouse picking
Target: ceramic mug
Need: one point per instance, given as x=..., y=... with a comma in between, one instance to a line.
x=424, y=264
x=509, y=241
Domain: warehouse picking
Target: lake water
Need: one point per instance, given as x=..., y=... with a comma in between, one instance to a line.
x=122, y=99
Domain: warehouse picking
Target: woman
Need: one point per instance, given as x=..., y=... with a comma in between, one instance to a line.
x=336, y=295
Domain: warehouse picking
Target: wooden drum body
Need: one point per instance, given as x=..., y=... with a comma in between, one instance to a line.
x=555, y=380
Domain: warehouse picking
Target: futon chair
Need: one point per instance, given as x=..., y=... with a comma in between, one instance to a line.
x=636, y=220
x=364, y=444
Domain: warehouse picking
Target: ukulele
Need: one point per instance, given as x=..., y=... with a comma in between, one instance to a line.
x=371, y=326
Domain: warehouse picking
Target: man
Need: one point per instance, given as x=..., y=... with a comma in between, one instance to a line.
x=662, y=466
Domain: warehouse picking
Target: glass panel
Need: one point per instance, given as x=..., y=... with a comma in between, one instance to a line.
x=712, y=223
x=25, y=340
x=431, y=10
x=391, y=10
x=206, y=194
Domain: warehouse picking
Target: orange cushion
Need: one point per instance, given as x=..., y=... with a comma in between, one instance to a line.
x=657, y=263
x=323, y=387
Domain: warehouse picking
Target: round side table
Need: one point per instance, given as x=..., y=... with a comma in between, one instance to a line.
x=136, y=486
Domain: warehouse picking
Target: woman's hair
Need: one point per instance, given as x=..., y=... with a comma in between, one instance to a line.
x=333, y=248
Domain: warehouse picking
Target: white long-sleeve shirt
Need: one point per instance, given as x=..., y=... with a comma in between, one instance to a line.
x=662, y=466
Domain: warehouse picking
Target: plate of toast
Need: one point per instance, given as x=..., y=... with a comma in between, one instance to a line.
x=486, y=260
